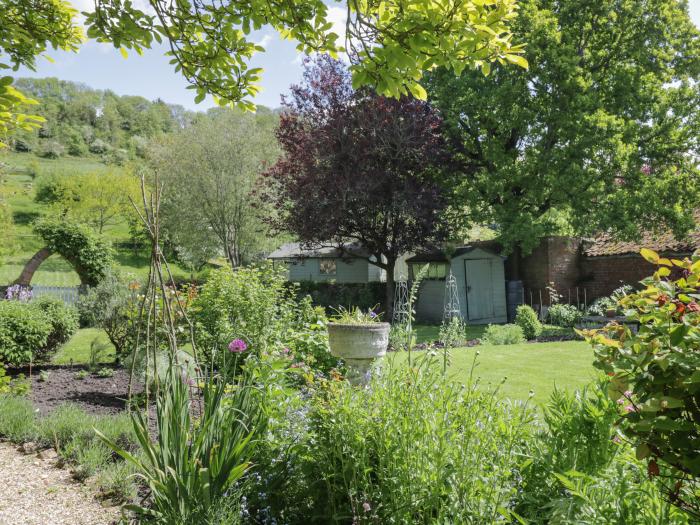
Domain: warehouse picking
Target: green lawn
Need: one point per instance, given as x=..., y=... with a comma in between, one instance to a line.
x=77, y=349
x=531, y=366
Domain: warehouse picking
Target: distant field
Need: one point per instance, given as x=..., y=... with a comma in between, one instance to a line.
x=18, y=186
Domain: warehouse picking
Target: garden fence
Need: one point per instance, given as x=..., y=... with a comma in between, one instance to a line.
x=67, y=294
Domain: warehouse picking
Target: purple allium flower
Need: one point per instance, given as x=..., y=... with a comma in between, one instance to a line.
x=237, y=346
x=372, y=314
x=366, y=506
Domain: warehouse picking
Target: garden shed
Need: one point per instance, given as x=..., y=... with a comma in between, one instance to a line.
x=327, y=264
x=480, y=276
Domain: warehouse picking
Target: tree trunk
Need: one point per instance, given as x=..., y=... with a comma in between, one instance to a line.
x=389, y=295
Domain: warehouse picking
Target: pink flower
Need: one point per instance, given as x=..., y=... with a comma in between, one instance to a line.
x=630, y=408
x=237, y=346
x=366, y=507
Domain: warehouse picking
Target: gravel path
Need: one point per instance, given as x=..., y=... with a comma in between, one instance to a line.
x=35, y=492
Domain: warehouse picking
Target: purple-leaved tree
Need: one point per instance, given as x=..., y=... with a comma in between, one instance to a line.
x=358, y=168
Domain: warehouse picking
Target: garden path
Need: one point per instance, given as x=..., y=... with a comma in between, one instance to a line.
x=35, y=492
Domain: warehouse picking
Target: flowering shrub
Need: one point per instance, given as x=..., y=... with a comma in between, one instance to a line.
x=566, y=315
x=17, y=292
x=257, y=306
x=656, y=371
x=601, y=305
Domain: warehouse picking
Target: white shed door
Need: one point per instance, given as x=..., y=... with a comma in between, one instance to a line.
x=479, y=288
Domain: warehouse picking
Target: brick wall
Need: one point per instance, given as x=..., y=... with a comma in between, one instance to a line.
x=556, y=260
x=560, y=260
x=602, y=275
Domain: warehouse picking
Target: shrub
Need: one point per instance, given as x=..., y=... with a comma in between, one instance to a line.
x=17, y=419
x=64, y=323
x=506, y=334
x=580, y=472
x=52, y=149
x=412, y=448
x=565, y=315
x=655, y=369
x=24, y=330
x=526, y=318
x=256, y=305
x=334, y=295
x=601, y=305
x=453, y=333
x=98, y=146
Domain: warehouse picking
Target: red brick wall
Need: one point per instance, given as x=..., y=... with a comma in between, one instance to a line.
x=559, y=260
x=555, y=261
x=602, y=275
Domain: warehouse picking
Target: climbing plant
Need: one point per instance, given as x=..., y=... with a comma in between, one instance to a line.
x=89, y=255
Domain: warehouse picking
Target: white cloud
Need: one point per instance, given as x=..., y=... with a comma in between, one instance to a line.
x=265, y=41
x=338, y=17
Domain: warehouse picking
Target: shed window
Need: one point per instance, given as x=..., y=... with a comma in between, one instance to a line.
x=327, y=266
x=437, y=271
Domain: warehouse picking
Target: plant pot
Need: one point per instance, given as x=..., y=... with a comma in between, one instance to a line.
x=359, y=345
x=610, y=312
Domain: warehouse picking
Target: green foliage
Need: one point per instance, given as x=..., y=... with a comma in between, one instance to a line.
x=82, y=374
x=111, y=305
x=89, y=254
x=221, y=154
x=63, y=319
x=333, y=295
x=565, y=315
x=190, y=468
x=406, y=39
x=581, y=142
x=28, y=29
x=17, y=419
x=505, y=334
x=256, y=304
x=104, y=373
x=453, y=333
x=24, y=330
x=580, y=472
x=655, y=369
x=355, y=315
x=19, y=386
x=601, y=305
x=422, y=464
x=526, y=319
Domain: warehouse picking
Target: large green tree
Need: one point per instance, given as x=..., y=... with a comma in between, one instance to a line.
x=601, y=133
x=211, y=171
x=211, y=43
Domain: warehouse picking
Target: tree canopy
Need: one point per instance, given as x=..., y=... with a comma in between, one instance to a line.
x=211, y=171
x=392, y=42
x=601, y=133
x=358, y=168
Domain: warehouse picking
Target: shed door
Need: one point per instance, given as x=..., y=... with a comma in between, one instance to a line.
x=479, y=288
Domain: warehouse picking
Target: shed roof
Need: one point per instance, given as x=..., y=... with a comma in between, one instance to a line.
x=296, y=250
x=440, y=255
x=664, y=242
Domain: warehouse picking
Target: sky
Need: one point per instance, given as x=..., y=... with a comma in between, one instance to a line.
x=101, y=66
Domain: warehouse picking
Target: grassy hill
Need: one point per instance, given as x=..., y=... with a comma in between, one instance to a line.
x=18, y=185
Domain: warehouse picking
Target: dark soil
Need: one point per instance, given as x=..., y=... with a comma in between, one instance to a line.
x=93, y=394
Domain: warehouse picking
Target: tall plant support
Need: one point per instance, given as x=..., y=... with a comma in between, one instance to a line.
x=402, y=310
x=451, y=307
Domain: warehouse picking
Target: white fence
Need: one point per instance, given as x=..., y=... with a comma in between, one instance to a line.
x=67, y=294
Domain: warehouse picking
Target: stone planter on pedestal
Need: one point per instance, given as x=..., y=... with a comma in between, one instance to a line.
x=359, y=345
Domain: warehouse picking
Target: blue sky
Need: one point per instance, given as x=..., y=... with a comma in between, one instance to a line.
x=151, y=76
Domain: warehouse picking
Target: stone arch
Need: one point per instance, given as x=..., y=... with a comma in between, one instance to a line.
x=88, y=254
x=25, y=278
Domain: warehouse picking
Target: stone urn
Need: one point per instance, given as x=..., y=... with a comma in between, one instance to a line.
x=359, y=345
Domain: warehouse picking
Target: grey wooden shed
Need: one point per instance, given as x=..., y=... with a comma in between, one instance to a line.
x=327, y=264
x=481, y=286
